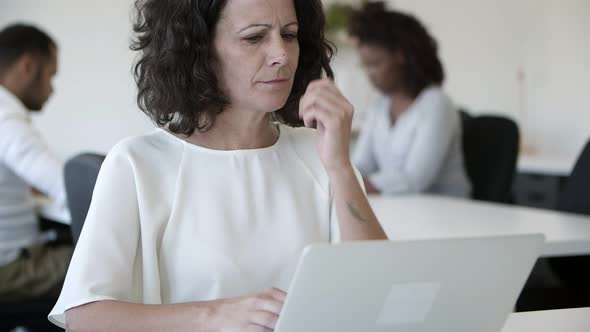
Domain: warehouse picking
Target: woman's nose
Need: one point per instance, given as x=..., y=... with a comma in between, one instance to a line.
x=278, y=53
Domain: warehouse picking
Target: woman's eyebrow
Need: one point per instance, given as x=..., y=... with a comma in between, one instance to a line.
x=256, y=25
x=268, y=26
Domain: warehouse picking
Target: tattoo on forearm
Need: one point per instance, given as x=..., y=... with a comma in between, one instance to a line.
x=355, y=213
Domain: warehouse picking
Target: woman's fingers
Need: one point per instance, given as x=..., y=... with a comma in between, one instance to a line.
x=324, y=95
x=267, y=307
x=265, y=319
x=323, y=104
x=336, y=114
x=331, y=104
x=324, y=84
x=269, y=304
x=256, y=328
x=315, y=115
x=277, y=294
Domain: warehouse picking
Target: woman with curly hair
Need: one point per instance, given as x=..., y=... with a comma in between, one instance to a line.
x=198, y=225
x=411, y=141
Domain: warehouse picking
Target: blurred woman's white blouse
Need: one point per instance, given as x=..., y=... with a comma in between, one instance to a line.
x=421, y=152
x=172, y=222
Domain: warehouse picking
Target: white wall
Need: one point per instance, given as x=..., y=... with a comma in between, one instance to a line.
x=93, y=106
x=484, y=43
x=558, y=67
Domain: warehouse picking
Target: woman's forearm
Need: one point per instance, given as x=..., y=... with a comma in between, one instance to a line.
x=356, y=218
x=123, y=316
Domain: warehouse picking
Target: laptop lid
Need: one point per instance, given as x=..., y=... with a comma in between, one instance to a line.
x=408, y=286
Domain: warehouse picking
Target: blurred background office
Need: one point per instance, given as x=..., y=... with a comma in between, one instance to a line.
x=527, y=61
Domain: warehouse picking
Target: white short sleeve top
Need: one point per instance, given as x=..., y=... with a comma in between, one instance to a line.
x=172, y=222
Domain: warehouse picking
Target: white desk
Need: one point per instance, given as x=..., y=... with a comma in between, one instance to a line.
x=566, y=320
x=427, y=217
x=545, y=164
x=51, y=211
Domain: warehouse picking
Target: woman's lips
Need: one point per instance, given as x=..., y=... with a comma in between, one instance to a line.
x=276, y=81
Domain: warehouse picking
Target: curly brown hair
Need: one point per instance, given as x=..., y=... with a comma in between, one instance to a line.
x=177, y=85
x=397, y=31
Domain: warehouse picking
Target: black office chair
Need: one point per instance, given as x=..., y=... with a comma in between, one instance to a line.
x=490, y=150
x=30, y=316
x=571, y=273
x=575, y=198
x=80, y=176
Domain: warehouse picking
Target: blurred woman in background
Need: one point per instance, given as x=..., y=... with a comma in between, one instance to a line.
x=411, y=140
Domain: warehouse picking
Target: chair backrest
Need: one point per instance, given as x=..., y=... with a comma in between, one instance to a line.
x=27, y=315
x=490, y=149
x=575, y=196
x=80, y=175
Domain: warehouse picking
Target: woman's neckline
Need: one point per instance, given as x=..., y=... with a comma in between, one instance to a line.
x=195, y=147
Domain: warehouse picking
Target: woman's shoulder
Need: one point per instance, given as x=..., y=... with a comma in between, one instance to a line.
x=435, y=97
x=303, y=142
x=146, y=144
x=153, y=148
x=435, y=106
x=300, y=136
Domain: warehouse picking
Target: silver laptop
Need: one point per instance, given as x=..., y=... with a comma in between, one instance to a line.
x=455, y=285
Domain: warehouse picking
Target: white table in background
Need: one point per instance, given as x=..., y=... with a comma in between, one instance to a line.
x=564, y=320
x=545, y=164
x=49, y=210
x=428, y=217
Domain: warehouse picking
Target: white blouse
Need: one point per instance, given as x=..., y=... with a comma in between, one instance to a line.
x=172, y=222
x=421, y=152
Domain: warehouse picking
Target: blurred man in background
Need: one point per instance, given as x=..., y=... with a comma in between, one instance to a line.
x=30, y=266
